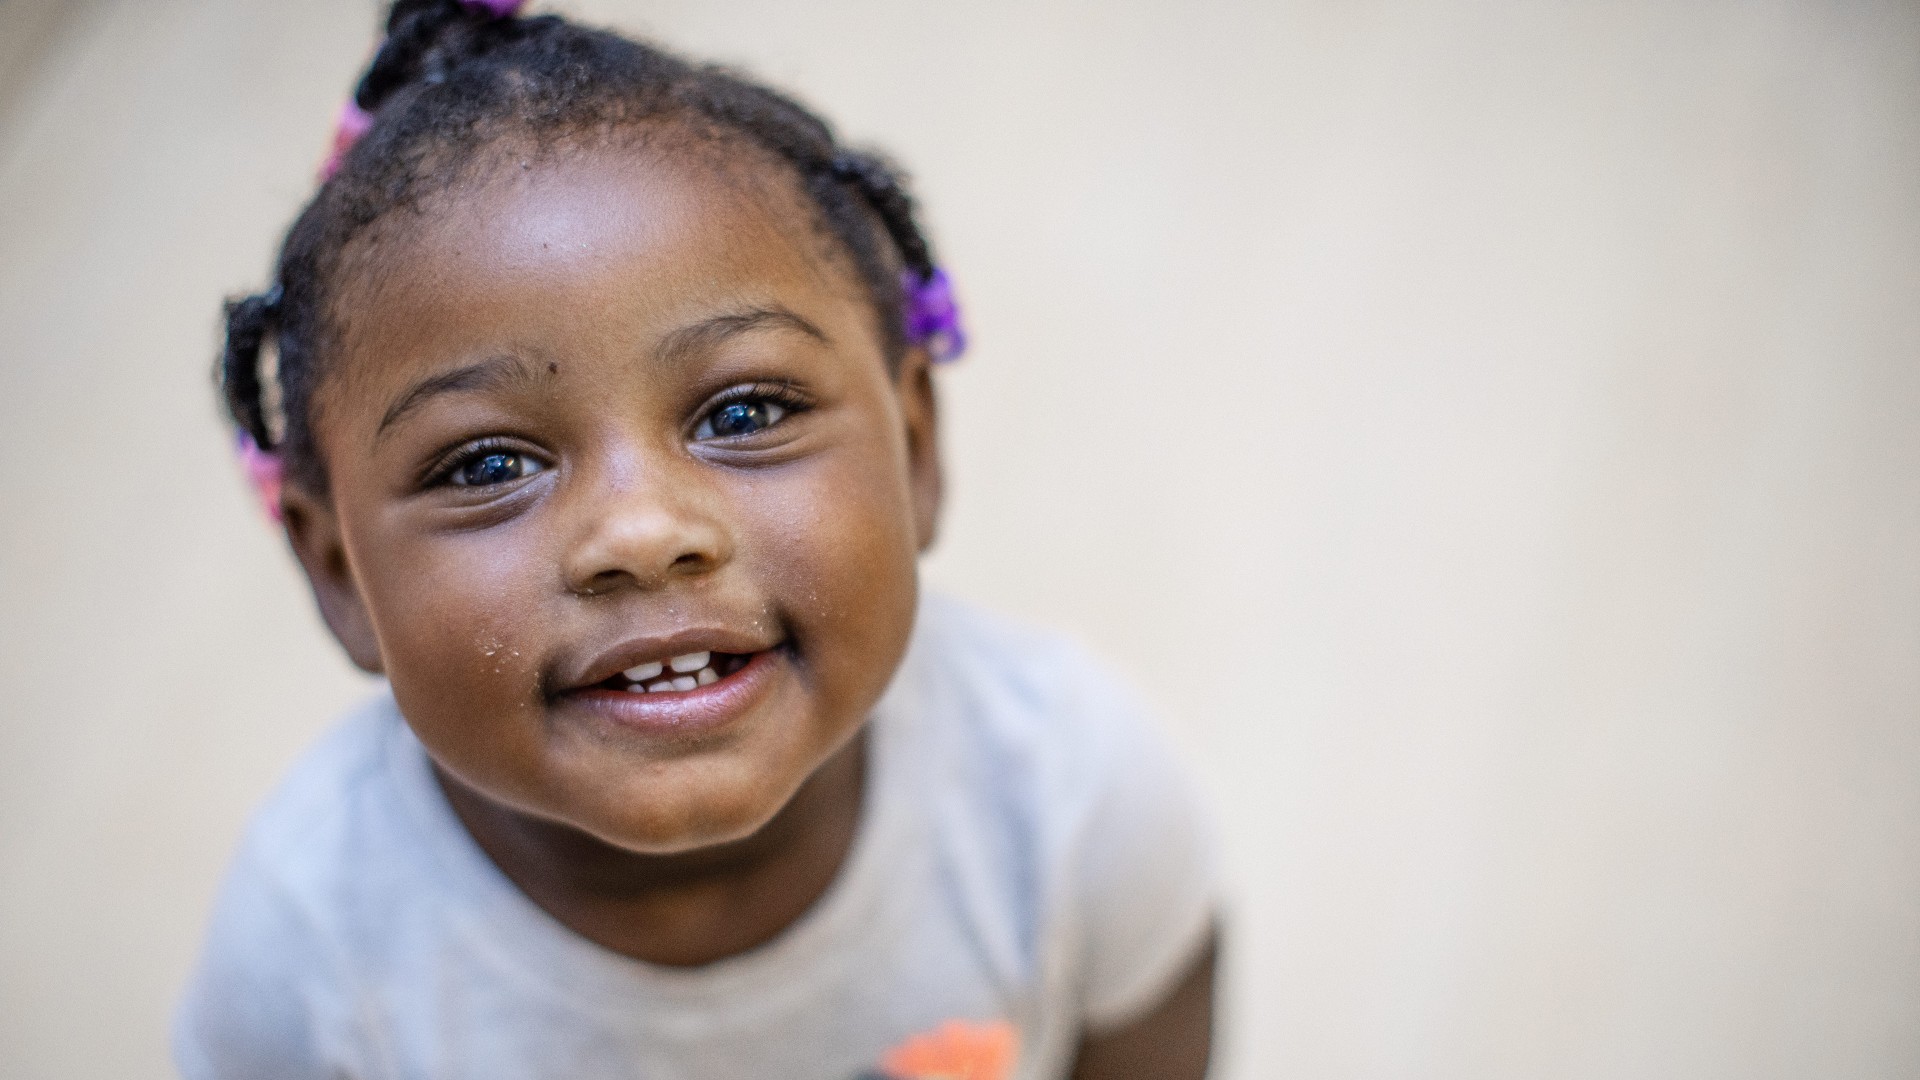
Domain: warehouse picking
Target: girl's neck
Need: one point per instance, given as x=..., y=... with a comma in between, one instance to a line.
x=688, y=909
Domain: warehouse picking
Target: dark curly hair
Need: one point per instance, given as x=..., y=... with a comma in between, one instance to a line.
x=451, y=80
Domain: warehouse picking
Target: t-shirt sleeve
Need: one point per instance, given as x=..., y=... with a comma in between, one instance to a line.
x=1146, y=868
x=258, y=1004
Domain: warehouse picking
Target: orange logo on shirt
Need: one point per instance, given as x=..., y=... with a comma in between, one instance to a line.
x=956, y=1050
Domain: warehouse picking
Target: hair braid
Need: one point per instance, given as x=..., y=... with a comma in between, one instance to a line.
x=425, y=40
x=249, y=320
x=880, y=184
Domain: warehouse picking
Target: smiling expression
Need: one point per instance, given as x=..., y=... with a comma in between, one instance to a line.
x=594, y=417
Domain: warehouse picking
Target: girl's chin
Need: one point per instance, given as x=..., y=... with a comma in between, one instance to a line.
x=694, y=820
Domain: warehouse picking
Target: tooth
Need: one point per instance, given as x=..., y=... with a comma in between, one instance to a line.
x=707, y=677
x=685, y=682
x=643, y=672
x=655, y=688
x=693, y=661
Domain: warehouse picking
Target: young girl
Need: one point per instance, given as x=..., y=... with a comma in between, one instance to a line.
x=600, y=387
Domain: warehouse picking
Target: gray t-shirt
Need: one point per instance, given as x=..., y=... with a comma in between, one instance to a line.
x=1029, y=865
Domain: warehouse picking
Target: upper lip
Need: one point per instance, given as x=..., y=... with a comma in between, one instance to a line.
x=640, y=650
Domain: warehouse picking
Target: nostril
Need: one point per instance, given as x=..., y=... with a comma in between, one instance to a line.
x=689, y=561
x=604, y=582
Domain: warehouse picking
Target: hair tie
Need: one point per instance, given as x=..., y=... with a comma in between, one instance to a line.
x=932, y=315
x=265, y=472
x=354, y=121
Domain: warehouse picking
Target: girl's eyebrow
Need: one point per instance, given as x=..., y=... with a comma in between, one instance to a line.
x=492, y=372
x=711, y=331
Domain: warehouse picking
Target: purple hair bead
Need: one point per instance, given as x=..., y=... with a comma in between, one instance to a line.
x=932, y=316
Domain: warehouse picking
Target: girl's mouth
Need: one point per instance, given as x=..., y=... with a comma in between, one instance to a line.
x=677, y=674
x=681, y=696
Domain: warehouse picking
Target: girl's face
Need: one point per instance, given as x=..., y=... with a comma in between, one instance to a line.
x=602, y=419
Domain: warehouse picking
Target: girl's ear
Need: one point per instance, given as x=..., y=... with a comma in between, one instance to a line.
x=313, y=529
x=919, y=408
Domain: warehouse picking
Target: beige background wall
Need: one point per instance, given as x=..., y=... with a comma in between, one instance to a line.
x=1486, y=430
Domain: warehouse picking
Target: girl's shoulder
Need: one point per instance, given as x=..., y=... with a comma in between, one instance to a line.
x=274, y=989
x=310, y=799
x=1030, y=723
x=1064, y=798
x=997, y=681
x=323, y=801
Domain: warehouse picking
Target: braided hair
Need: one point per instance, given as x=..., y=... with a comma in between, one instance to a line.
x=450, y=80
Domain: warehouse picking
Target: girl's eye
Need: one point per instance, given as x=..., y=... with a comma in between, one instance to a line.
x=497, y=467
x=737, y=418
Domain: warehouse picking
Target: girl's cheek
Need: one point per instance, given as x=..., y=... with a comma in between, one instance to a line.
x=464, y=630
x=851, y=572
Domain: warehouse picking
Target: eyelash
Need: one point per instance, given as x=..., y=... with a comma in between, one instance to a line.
x=786, y=395
x=440, y=473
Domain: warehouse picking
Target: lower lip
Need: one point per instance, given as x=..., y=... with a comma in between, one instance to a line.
x=683, y=712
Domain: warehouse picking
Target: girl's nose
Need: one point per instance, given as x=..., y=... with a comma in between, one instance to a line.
x=644, y=535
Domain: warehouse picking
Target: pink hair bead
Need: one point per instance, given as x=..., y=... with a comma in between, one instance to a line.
x=354, y=120
x=264, y=471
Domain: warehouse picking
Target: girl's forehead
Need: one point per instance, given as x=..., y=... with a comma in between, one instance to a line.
x=641, y=231
x=658, y=208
